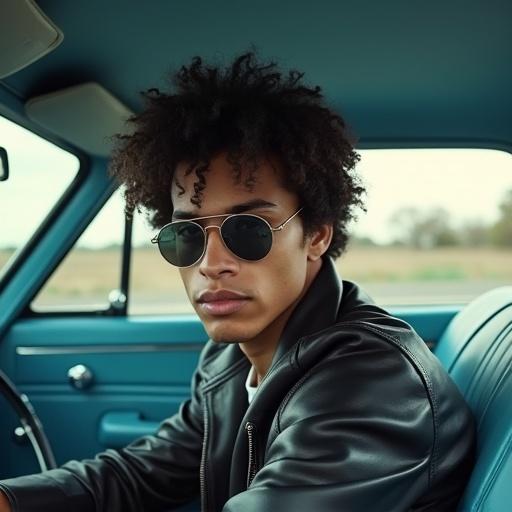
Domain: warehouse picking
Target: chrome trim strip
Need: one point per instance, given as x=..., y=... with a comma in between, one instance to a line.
x=108, y=349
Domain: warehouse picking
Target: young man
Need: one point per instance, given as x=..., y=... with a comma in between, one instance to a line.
x=307, y=397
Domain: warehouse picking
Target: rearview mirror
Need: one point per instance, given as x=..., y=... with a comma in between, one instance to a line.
x=4, y=165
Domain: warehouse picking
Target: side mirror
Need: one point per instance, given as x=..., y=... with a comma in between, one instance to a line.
x=4, y=165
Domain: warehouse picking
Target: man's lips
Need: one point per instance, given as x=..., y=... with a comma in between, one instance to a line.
x=221, y=302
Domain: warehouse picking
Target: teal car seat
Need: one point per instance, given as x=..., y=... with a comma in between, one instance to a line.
x=476, y=349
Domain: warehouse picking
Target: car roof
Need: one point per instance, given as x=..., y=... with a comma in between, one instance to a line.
x=411, y=72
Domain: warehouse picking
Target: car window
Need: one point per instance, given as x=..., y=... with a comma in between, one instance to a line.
x=435, y=232
x=89, y=276
x=39, y=174
x=440, y=237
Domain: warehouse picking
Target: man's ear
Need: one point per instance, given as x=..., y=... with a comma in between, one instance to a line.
x=319, y=241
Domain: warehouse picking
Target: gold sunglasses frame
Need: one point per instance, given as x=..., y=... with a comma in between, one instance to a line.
x=225, y=216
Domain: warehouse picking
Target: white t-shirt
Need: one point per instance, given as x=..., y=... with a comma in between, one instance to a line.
x=251, y=390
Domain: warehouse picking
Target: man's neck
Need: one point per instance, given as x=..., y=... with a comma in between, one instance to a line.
x=260, y=350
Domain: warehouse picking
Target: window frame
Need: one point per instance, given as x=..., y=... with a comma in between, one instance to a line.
x=12, y=267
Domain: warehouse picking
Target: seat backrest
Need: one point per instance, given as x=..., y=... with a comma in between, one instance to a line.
x=476, y=350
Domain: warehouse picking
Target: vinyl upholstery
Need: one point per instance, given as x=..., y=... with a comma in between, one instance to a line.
x=476, y=349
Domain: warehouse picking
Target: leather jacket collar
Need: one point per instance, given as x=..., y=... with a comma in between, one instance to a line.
x=307, y=318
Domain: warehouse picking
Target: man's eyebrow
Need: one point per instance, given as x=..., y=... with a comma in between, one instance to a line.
x=253, y=204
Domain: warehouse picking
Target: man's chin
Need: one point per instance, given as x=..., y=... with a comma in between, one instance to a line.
x=224, y=340
x=224, y=334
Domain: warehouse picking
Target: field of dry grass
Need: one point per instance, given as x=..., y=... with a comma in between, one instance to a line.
x=385, y=271
x=403, y=264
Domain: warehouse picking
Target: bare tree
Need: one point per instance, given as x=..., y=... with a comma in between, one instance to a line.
x=501, y=232
x=423, y=230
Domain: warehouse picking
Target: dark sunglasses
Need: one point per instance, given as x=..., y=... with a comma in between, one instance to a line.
x=249, y=237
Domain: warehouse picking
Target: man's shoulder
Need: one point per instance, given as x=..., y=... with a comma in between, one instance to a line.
x=361, y=370
x=368, y=354
x=358, y=312
x=359, y=329
x=373, y=358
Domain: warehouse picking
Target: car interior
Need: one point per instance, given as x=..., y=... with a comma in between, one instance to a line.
x=77, y=380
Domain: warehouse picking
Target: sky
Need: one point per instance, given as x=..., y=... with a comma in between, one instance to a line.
x=469, y=183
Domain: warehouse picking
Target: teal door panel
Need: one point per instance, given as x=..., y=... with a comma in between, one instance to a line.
x=142, y=366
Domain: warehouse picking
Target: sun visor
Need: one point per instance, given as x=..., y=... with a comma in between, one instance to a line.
x=26, y=35
x=85, y=115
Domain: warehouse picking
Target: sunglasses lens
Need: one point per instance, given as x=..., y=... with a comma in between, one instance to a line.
x=181, y=244
x=247, y=236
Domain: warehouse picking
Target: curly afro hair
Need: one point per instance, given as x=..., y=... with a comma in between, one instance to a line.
x=249, y=110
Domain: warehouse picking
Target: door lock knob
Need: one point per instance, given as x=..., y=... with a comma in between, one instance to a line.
x=80, y=377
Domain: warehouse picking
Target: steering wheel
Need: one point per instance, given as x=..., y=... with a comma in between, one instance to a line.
x=29, y=422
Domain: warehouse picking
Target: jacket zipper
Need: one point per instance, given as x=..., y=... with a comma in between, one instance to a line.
x=251, y=470
x=202, y=469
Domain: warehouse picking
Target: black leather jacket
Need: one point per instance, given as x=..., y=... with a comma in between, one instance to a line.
x=354, y=414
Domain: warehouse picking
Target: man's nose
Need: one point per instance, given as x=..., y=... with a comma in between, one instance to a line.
x=217, y=260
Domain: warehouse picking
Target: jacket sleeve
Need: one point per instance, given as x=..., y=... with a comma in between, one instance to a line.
x=355, y=434
x=155, y=472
